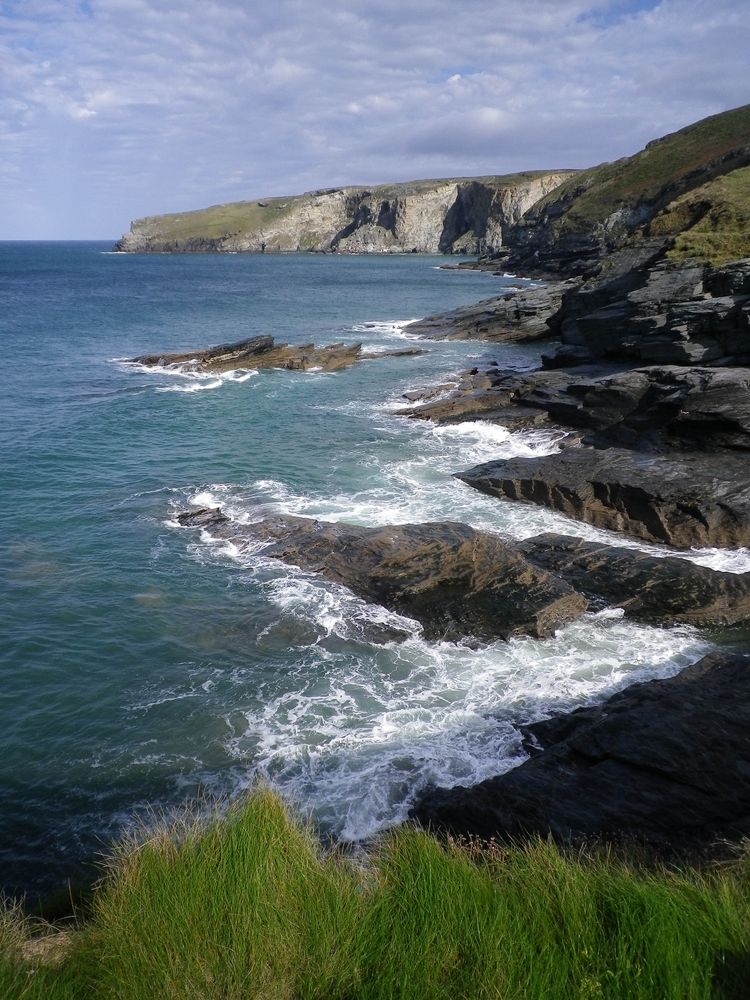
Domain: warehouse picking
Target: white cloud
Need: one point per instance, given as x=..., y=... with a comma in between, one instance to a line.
x=121, y=108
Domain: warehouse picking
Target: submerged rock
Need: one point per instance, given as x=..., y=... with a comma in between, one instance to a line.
x=648, y=588
x=666, y=762
x=264, y=352
x=457, y=582
x=683, y=500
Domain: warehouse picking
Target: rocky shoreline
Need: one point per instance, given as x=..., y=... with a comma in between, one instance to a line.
x=649, y=380
x=655, y=451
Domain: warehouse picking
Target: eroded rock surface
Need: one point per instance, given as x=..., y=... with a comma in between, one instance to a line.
x=666, y=762
x=264, y=352
x=519, y=315
x=648, y=588
x=454, y=580
x=683, y=499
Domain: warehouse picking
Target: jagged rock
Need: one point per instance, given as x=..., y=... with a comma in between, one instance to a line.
x=514, y=399
x=666, y=762
x=456, y=581
x=683, y=500
x=663, y=313
x=520, y=315
x=701, y=409
x=648, y=588
x=263, y=352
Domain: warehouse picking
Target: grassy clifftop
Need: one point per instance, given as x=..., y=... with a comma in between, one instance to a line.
x=692, y=182
x=246, y=907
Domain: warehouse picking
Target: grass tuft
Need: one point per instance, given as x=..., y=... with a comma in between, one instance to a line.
x=244, y=904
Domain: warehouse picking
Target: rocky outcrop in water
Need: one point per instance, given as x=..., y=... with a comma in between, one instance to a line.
x=649, y=409
x=455, y=215
x=648, y=588
x=455, y=581
x=666, y=762
x=519, y=315
x=264, y=352
x=683, y=500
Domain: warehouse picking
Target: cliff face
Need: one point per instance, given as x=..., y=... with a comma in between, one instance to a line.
x=464, y=215
x=688, y=191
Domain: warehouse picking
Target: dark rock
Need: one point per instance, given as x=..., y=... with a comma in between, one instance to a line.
x=648, y=588
x=682, y=500
x=666, y=762
x=519, y=315
x=263, y=352
x=660, y=312
x=655, y=409
x=454, y=580
x=700, y=409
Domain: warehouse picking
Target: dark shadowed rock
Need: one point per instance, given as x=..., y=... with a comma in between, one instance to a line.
x=264, y=352
x=700, y=409
x=519, y=315
x=660, y=312
x=683, y=500
x=666, y=762
x=648, y=588
x=454, y=580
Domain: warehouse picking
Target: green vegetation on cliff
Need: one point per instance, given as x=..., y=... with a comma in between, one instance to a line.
x=248, y=907
x=691, y=185
x=662, y=170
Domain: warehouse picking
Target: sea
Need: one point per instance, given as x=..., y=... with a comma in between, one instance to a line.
x=145, y=664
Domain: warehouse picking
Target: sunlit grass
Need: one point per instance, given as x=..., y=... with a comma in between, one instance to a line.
x=246, y=906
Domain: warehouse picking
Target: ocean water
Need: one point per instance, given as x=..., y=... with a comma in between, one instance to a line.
x=143, y=663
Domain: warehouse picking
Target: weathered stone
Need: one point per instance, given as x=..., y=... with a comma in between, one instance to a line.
x=660, y=312
x=666, y=762
x=682, y=500
x=648, y=588
x=520, y=315
x=454, y=580
x=264, y=352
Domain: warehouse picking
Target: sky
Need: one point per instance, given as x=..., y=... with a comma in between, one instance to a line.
x=115, y=109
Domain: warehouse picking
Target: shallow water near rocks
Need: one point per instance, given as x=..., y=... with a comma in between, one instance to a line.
x=143, y=662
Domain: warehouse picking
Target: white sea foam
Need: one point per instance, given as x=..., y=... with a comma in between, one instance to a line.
x=394, y=329
x=196, y=381
x=368, y=711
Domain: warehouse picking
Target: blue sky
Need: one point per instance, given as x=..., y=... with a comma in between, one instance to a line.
x=116, y=109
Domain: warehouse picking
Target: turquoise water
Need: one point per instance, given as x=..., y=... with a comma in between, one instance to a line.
x=143, y=662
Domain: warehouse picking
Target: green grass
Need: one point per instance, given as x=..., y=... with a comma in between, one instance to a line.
x=664, y=169
x=247, y=906
x=712, y=222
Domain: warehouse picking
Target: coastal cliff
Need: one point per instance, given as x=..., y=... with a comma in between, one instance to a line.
x=458, y=215
x=687, y=193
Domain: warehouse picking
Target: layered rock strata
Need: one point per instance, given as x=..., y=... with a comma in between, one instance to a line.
x=648, y=588
x=519, y=315
x=264, y=352
x=460, y=582
x=655, y=409
x=666, y=762
x=455, y=581
x=683, y=500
